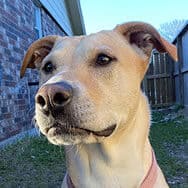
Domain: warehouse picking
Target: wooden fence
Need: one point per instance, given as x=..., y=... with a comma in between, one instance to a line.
x=158, y=83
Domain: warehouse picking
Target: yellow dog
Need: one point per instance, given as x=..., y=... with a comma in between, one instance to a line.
x=90, y=101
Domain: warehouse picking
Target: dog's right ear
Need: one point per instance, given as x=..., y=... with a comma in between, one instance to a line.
x=37, y=52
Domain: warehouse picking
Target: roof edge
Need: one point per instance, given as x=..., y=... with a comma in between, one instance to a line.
x=75, y=16
x=183, y=30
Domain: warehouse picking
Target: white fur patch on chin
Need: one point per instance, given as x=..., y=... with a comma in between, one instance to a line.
x=60, y=140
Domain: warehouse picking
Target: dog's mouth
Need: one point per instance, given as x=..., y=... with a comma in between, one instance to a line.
x=57, y=129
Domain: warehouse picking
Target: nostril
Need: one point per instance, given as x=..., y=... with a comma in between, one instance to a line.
x=41, y=101
x=60, y=98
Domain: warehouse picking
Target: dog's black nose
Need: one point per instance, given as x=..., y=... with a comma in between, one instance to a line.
x=54, y=96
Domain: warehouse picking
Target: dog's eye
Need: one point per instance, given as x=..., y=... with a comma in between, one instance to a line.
x=103, y=59
x=48, y=67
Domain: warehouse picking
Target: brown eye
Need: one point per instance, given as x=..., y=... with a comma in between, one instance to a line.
x=103, y=60
x=48, y=67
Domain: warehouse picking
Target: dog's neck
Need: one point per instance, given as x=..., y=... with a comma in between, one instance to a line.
x=119, y=162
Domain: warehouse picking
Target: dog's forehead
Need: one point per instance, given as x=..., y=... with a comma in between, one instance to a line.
x=67, y=42
x=71, y=50
x=63, y=49
x=103, y=38
x=86, y=41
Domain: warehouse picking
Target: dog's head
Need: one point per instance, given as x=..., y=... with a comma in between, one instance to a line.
x=90, y=85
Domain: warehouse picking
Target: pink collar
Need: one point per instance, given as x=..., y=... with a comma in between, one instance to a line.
x=69, y=182
x=150, y=179
x=148, y=182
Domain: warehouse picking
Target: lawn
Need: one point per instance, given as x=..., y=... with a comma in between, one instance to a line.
x=34, y=162
x=170, y=142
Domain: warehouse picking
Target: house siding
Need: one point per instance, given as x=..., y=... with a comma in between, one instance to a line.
x=58, y=11
x=185, y=50
x=185, y=77
x=49, y=26
x=16, y=34
x=181, y=78
x=185, y=66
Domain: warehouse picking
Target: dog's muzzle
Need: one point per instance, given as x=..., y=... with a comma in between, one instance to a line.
x=54, y=101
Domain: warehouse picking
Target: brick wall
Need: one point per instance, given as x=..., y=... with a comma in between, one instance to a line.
x=49, y=26
x=16, y=34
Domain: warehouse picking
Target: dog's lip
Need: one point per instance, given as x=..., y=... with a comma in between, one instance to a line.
x=106, y=132
x=81, y=131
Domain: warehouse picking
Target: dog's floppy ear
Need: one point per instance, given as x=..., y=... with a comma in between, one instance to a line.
x=36, y=52
x=146, y=38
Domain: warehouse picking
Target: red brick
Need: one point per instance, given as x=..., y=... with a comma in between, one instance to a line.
x=7, y=116
x=17, y=33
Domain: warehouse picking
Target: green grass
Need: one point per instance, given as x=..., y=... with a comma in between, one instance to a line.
x=170, y=141
x=34, y=162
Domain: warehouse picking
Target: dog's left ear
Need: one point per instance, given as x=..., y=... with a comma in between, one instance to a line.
x=146, y=38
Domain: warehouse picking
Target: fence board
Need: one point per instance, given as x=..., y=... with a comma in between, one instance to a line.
x=158, y=82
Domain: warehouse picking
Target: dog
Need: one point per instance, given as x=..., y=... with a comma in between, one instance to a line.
x=90, y=101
